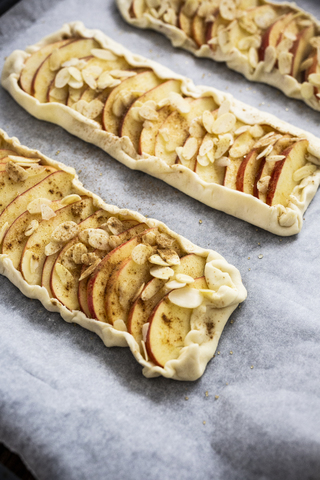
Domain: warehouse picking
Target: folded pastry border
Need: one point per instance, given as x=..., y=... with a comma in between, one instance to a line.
x=277, y=219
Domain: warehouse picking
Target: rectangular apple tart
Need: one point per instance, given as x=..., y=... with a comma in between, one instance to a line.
x=212, y=147
x=267, y=42
x=129, y=279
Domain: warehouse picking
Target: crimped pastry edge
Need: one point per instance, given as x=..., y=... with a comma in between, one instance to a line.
x=193, y=359
x=238, y=204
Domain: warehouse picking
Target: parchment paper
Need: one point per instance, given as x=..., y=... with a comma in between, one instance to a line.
x=74, y=409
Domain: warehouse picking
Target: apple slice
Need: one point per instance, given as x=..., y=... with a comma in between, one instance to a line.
x=33, y=62
x=198, y=30
x=137, y=9
x=140, y=311
x=193, y=161
x=314, y=68
x=273, y=33
x=169, y=324
x=137, y=85
x=5, y=153
x=34, y=256
x=97, y=284
x=176, y=127
x=131, y=127
x=212, y=28
x=55, y=186
x=122, y=287
x=247, y=172
x=231, y=172
x=44, y=76
x=282, y=183
x=148, y=137
x=46, y=273
x=10, y=189
x=185, y=23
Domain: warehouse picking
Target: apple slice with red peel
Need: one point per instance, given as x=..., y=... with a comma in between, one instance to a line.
x=273, y=33
x=314, y=68
x=301, y=48
x=34, y=256
x=44, y=76
x=53, y=187
x=131, y=127
x=191, y=264
x=169, y=324
x=82, y=293
x=148, y=137
x=231, y=172
x=198, y=30
x=33, y=63
x=137, y=9
x=282, y=183
x=122, y=287
x=10, y=189
x=127, y=240
x=185, y=23
x=132, y=88
x=212, y=28
x=176, y=127
x=247, y=172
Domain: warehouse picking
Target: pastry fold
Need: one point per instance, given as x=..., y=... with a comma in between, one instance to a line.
x=268, y=42
x=200, y=140
x=127, y=278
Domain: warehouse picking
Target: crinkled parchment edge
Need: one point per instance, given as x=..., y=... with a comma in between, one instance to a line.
x=235, y=59
x=194, y=356
x=238, y=204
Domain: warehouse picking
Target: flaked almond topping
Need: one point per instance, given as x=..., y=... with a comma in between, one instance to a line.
x=287, y=218
x=59, y=93
x=190, y=7
x=275, y=158
x=268, y=139
x=76, y=74
x=67, y=260
x=265, y=18
x=165, y=134
x=138, y=293
x=208, y=120
x=239, y=149
x=103, y=54
x=228, y=9
x=256, y=131
x=46, y=212
x=253, y=57
x=90, y=74
x=65, y=277
x=242, y=129
x=206, y=146
x=65, y=232
x=188, y=151
x=311, y=158
x=164, y=241
x=115, y=225
x=88, y=271
x=163, y=273
x=251, y=41
x=224, y=143
x=93, y=109
x=35, y=205
x=3, y=231
x=120, y=325
x=170, y=256
x=182, y=277
x=122, y=102
x=157, y=260
x=114, y=241
x=170, y=16
x=52, y=247
x=15, y=172
x=77, y=251
x=315, y=42
x=307, y=90
x=19, y=159
x=148, y=112
x=89, y=258
x=105, y=80
x=263, y=184
x=304, y=172
x=98, y=238
x=55, y=60
x=206, y=8
x=173, y=284
x=70, y=199
x=285, y=62
x=314, y=79
x=141, y=253
x=149, y=238
x=247, y=23
x=151, y=289
x=73, y=62
x=62, y=78
x=270, y=58
x=122, y=73
x=31, y=228
x=265, y=152
x=223, y=162
x=203, y=160
x=196, y=129
x=186, y=297
x=304, y=22
x=145, y=329
x=224, y=124
x=177, y=101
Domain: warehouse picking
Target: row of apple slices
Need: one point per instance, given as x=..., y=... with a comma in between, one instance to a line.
x=117, y=271
x=280, y=36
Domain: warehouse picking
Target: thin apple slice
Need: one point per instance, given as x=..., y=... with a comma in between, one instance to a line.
x=282, y=183
x=122, y=97
x=176, y=128
x=131, y=127
x=192, y=265
x=273, y=33
x=123, y=285
x=55, y=186
x=148, y=137
x=137, y=9
x=212, y=28
x=169, y=324
x=46, y=272
x=198, y=30
x=247, y=172
x=5, y=153
x=9, y=189
x=185, y=23
x=15, y=238
x=44, y=76
x=34, y=62
x=34, y=256
x=301, y=48
x=231, y=172
x=82, y=293
x=97, y=284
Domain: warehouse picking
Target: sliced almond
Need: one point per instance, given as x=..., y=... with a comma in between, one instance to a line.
x=52, y=247
x=77, y=251
x=224, y=143
x=46, y=212
x=274, y=158
x=314, y=79
x=103, y=54
x=98, y=239
x=141, y=253
x=157, y=260
x=149, y=238
x=70, y=199
x=265, y=18
x=190, y=7
x=253, y=57
x=208, y=120
x=151, y=289
x=65, y=277
x=206, y=146
x=105, y=80
x=256, y=131
x=304, y=172
x=170, y=16
x=228, y=9
x=164, y=240
x=15, y=172
x=285, y=63
x=223, y=162
x=270, y=58
x=196, y=129
x=115, y=225
x=170, y=256
x=224, y=124
x=203, y=160
x=263, y=184
x=307, y=90
x=88, y=271
x=173, y=284
x=62, y=78
x=31, y=228
x=182, y=277
x=186, y=297
x=176, y=101
x=65, y=232
x=89, y=258
x=250, y=41
x=164, y=273
x=265, y=152
x=35, y=205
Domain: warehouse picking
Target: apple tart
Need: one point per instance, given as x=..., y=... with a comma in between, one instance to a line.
x=212, y=147
x=129, y=279
x=267, y=42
